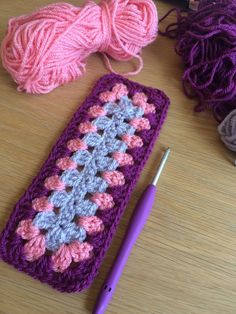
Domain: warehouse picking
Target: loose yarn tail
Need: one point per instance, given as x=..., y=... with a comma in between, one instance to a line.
x=110, y=68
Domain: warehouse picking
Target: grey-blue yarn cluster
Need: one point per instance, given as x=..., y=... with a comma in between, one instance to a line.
x=60, y=228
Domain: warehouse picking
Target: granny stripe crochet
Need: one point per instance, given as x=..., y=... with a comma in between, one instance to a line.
x=62, y=226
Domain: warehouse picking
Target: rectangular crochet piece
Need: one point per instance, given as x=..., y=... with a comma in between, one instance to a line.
x=62, y=226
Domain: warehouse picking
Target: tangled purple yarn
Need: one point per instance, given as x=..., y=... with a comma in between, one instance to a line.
x=206, y=40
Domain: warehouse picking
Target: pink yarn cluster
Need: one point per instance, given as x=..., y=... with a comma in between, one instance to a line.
x=49, y=47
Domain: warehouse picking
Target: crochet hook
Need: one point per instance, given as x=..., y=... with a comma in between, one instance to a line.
x=137, y=222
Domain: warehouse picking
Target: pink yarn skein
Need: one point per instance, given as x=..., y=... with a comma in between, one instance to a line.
x=49, y=47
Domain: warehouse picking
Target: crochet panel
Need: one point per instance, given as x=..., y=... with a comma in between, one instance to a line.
x=62, y=226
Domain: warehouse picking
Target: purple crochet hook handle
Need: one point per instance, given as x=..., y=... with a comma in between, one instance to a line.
x=137, y=222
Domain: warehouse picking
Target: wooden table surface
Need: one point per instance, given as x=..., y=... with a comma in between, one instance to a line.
x=185, y=259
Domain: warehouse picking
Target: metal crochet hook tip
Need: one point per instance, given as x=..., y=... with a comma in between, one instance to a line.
x=161, y=166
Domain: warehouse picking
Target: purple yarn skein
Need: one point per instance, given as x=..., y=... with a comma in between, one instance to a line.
x=206, y=40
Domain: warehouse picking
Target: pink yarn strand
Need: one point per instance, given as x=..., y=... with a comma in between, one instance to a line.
x=49, y=47
x=109, y=66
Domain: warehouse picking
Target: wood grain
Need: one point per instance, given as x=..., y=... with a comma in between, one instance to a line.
x=185, y=260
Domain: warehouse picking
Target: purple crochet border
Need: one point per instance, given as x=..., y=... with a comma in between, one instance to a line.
x=82, y=274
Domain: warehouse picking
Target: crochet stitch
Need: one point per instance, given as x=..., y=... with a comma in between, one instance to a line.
x=62, y=226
